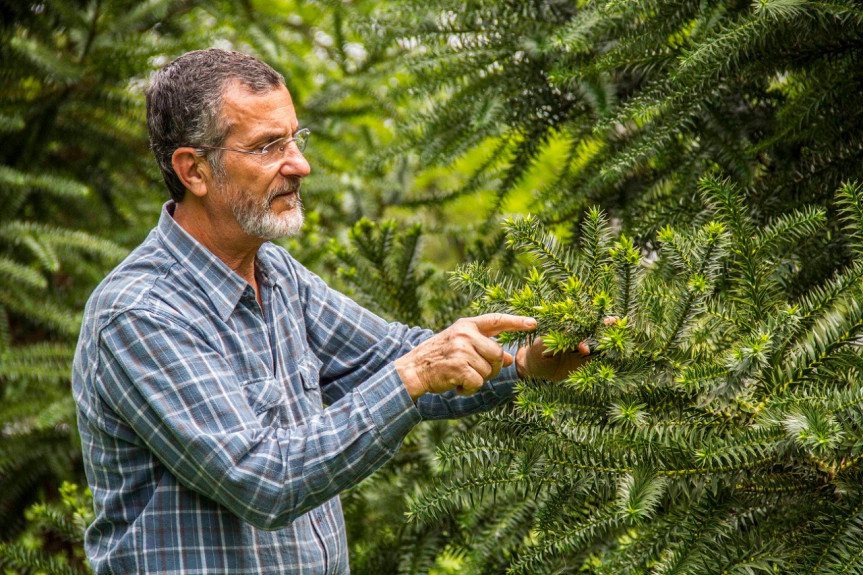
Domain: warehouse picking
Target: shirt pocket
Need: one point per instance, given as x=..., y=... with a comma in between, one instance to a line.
x=265, y=395
x=310, y=373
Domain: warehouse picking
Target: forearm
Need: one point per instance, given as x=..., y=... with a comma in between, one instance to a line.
x=360, y=358
x=271, y=476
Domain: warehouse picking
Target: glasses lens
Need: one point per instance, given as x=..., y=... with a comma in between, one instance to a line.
x=277, y=151
x=302, y=138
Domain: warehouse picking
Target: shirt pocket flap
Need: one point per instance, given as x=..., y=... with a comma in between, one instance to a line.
x=262, y=394
x=310, y=370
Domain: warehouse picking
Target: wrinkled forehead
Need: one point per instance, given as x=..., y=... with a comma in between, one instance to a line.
x=247, y=115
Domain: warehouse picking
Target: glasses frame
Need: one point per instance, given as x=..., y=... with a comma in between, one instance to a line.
x=263, y=151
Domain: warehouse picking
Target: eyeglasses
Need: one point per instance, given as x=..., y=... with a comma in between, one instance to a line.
x=273, y=152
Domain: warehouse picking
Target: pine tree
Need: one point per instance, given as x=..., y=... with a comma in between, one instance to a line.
x=626, y=105
x=716, y=429
x=53, y=542
x=75, y=177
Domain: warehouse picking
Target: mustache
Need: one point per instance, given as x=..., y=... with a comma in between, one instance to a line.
x=291, y=185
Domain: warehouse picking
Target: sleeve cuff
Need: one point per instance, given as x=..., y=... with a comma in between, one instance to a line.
x=389, y=405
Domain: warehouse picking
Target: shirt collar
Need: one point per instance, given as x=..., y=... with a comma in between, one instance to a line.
x=222, y=285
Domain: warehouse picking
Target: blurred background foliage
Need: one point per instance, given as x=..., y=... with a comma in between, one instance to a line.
x=430, y=121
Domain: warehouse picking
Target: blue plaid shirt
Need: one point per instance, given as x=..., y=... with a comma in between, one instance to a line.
x=205, y=438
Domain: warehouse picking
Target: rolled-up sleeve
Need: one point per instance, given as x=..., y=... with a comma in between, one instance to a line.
x=186, y=403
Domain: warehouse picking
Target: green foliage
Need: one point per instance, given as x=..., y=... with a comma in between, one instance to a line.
x=74, y=179
x=716, y=428
x=735, y=294
x=49, y=526
x=382, y=264
x=380, y=539
x=644, y=98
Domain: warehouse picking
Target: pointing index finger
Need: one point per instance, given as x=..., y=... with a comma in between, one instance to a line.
x=491, y=324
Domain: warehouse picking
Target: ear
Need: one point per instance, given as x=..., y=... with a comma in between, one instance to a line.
x=193, y=172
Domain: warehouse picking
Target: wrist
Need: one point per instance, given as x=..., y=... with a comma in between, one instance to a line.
x=411, y=380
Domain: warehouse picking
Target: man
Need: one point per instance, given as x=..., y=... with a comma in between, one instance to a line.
x=206, y=357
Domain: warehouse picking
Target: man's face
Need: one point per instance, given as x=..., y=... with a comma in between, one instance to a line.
x=264, y=198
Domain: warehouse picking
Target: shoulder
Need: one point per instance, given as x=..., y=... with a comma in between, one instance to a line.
x=289, y=269
x=280, y=259
x=129, y=286
x=145, y=280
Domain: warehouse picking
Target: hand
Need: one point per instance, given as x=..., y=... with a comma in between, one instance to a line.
x=461, y=357
x=536, y=361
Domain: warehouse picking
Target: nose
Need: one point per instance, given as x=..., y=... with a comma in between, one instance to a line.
x=295, y=164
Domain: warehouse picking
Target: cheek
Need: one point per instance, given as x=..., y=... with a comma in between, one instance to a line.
x=229, y=194
x=244, y=172
x=245, y=186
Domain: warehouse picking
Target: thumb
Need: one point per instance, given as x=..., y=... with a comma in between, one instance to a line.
x=507, y=359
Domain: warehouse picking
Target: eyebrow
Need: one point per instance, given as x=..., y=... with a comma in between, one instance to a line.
x=267, y=137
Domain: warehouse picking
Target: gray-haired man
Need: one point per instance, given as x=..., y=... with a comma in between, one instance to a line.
x=206, y=358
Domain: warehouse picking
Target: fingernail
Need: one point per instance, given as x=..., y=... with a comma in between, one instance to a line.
x=530, y=322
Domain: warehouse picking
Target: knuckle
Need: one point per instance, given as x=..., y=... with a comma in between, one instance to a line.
x=459, y=332
x=460, y=346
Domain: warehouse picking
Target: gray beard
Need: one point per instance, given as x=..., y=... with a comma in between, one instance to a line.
x=258, y=219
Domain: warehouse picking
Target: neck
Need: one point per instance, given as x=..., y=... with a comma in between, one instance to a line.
x=217, y=231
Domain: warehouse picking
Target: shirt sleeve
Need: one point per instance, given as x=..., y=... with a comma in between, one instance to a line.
x=187, y=405
x=353, y=343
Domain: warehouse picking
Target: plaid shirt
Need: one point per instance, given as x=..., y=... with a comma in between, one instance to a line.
x=204, y=434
